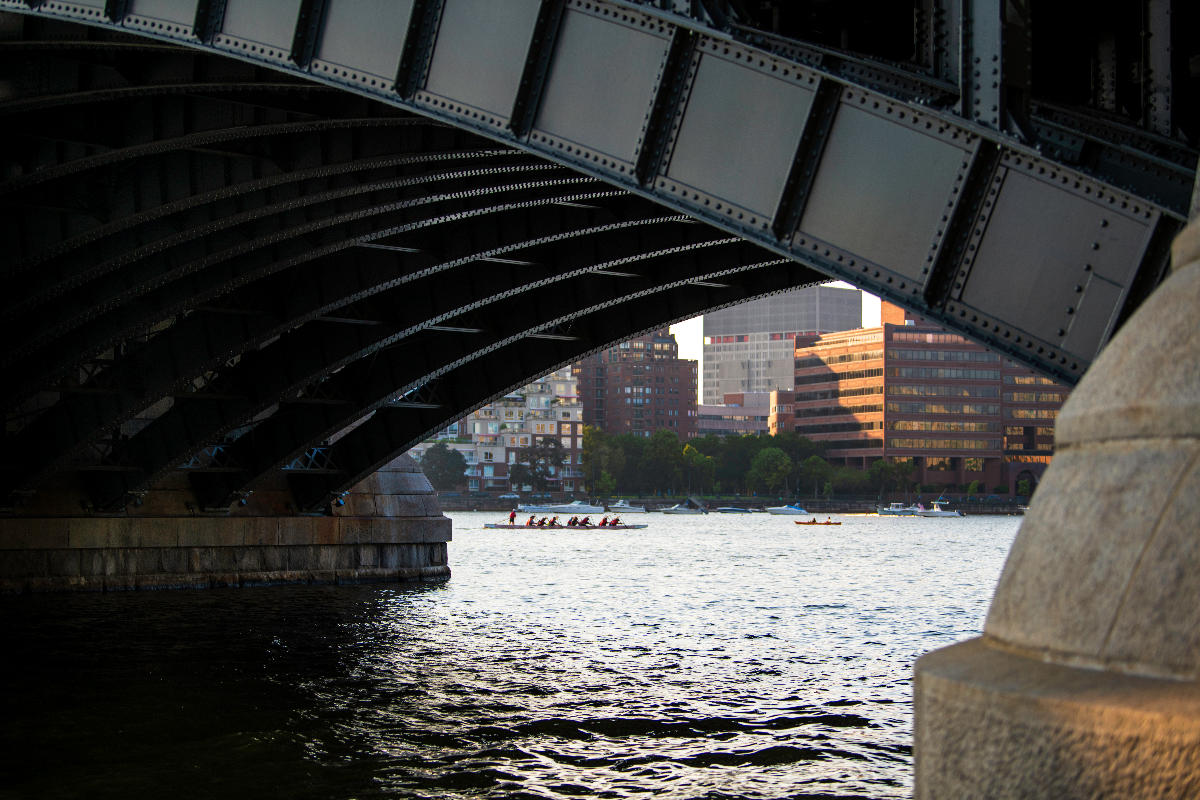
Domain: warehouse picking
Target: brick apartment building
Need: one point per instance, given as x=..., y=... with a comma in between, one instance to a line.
x=638, y=387
x=909, y=390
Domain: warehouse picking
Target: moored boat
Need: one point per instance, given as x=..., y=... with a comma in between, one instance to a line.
x=897, y=510
x=573, y=507
x=623, y=507
x=937, y=510
x=683, y=508
x=793, y=508
x=732, y=510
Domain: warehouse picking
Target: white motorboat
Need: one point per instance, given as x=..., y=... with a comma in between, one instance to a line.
x=794, y=508
x=937, y=510
x=897, y=510
x=623, y=507
x=573, y=507
x=684, y=508
x=732, y=510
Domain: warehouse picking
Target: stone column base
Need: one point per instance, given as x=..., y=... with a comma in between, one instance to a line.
x=993, y=723
x=122, y=553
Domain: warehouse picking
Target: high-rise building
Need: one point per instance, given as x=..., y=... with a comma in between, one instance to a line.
x=492, y=437
x=638, y=387
x=912, y=391
x=748, y=347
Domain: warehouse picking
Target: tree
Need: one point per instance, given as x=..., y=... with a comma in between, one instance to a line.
x=815, y=470
x=444, y=467
x=769, y=469
x=536, y=465
x=605, y=485
x=630, y=479
x=904, y=471
x=734, y=465
x=601, y=455
x=698, y=469
x=661, y=464
x=881, y=473
x=849, y=480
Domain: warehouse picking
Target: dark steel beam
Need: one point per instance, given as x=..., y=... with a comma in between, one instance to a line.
x=418, y=46
x=803, y=171
x=210, y=14
x=46, y=346
x=668, y=94
x=537, y=64
x=308, y=30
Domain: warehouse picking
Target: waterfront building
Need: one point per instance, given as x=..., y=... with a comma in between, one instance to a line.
x=638, y=387
x=909, y=390
x=492, y=438
x=739, y=414
x=748, y=347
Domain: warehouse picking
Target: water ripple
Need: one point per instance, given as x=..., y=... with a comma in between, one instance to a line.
x=707, y=658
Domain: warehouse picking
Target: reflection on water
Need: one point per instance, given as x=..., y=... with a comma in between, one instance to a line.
x=704, y=657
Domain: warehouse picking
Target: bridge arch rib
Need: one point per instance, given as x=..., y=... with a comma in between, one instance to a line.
x=218, y=211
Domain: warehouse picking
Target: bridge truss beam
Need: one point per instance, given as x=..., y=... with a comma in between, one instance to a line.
x=216, y=213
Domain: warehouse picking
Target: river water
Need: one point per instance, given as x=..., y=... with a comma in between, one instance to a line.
x=722, y=656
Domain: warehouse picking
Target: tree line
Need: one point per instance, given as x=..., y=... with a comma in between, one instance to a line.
x=784, y=464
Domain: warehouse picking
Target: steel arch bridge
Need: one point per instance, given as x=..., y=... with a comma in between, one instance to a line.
x=253, y=236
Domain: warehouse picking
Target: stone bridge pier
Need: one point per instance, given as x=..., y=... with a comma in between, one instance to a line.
x=1086, y=681
x=388, y=527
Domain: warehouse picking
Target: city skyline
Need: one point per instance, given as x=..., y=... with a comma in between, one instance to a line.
x=690, y=333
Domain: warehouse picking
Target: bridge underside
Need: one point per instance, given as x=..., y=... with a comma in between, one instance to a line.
x=255, y=244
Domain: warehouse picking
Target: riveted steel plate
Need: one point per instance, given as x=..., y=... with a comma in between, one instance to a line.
x=270, y=23
x=366, y=36
x=81, y=7
x=173, y=17
x=1043, y=245
x=480, y=53
x=884, y=186
x=738, y=136
x=601, y=84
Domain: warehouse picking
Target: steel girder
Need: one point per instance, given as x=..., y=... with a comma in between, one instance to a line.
x=187, y=233
x=398, y=300
x=920, y=205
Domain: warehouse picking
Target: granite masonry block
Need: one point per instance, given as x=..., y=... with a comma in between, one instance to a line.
x=42, y=533
x=1080, y=543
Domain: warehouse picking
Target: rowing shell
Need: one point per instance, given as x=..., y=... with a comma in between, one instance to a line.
x=504, y=526
x=798, y=522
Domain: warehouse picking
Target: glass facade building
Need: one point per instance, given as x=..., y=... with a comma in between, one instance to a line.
x=748, y=347
x=910, y=391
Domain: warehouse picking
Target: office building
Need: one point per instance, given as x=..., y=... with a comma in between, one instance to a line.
x=909, y=390
x=638, y=387
x=748, y=347
x=740, y=414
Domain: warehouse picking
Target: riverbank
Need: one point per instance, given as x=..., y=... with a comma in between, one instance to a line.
x=455, y=502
